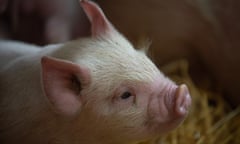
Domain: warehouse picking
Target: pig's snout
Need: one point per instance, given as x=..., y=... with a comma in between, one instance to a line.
x=169, y=106
x=177, y=100
x=182, y=100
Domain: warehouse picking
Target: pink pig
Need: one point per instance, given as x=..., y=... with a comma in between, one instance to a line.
x=97, y=90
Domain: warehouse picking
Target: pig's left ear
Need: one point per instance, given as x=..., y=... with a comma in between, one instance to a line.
x=99, y=23
x=62, y=83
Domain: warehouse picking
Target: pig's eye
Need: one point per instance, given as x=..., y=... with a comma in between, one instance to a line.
x=126, y=95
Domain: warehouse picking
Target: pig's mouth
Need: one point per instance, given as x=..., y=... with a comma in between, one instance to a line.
x=167, y=111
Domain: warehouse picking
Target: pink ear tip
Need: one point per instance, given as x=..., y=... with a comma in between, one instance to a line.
x=85, y=1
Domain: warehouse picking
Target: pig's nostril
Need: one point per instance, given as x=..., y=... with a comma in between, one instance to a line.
x=183, y=100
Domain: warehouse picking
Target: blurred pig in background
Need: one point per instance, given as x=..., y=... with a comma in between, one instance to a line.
x=203, y=31
x=42, y=21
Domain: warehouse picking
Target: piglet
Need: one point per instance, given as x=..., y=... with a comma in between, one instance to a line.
x=96, y=90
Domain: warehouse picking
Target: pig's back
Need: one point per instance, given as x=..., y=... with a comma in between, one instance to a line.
x=10, y=50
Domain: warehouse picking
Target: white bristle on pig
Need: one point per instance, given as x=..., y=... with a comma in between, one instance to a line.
x=96, y=90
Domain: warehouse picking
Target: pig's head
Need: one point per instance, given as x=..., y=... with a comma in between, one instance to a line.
x=112, y=92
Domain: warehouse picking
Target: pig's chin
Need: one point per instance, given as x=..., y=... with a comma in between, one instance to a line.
x=158, y=125
x=156, y=128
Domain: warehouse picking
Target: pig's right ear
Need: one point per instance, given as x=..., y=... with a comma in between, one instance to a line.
x=99, y=23
x=62, y=83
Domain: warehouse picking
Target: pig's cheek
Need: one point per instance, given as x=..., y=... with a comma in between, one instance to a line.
x=99, y=107
x=157, y=111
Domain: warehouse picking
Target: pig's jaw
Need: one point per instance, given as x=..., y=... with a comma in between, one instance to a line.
x=168, y=107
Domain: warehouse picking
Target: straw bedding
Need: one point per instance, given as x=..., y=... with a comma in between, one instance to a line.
x=210, y=121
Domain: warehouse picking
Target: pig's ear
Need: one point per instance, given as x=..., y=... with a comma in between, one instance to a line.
x=62, y=83
x=99, y=23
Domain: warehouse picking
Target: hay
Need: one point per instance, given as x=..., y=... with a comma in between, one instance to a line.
x=210, y=121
